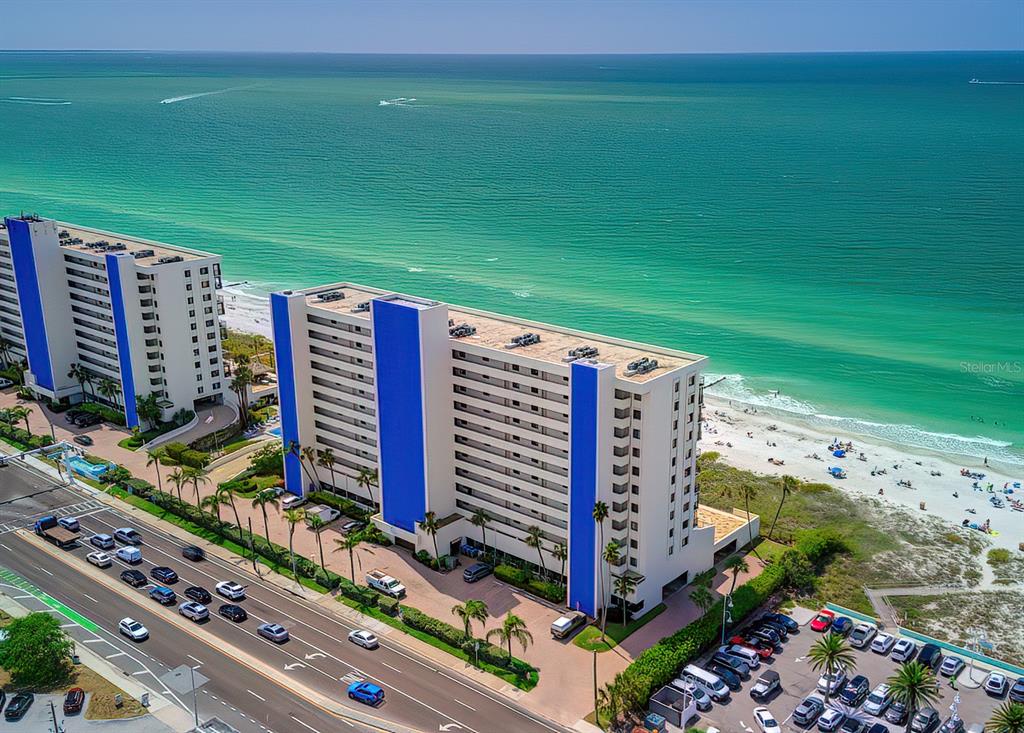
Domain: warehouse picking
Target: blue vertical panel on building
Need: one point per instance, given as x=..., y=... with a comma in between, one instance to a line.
x=124, y=353
x=396, y=358
x=286, y=391
x=582, y=486
x=30, y=301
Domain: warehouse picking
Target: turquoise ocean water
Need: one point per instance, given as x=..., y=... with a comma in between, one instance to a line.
x=846, y=229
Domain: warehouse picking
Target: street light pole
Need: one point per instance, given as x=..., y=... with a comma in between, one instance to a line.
x=725, y=614
x=195, y=704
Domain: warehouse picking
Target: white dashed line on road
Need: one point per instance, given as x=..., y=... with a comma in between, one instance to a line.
x=304, y=725
x=256, y=696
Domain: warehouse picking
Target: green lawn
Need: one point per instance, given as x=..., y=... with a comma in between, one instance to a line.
x=590, y=637
x=237, y=445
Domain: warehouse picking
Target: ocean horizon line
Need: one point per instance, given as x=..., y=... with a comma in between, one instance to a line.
x=533, y=54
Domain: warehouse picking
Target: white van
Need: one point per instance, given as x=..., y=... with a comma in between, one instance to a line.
x=747, y=655
x=710, y=683
x=131, y=555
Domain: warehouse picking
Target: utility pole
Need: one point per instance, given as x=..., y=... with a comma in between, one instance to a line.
x=195, y=703
x=53, y=718
x=252, y=544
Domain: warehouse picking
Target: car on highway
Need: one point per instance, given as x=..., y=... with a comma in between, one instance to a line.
x=878, y=700
x=855, y=691
x=164, y=574
x=232, y=612
x=781, y=618
x=130, y=554
x=133, y=629
x=163, y=595
x=71, y=524
x=274, y=632
x=366, y=693
x=996, y=684
x=18, y=706
x=100, y=559
x=766, y=721
x=727, y=674
x=930, y=656
x=823, y=621
x=1017, y=691
x=926, y=720
x=134, y=578
x=862, y=635
x=951, y=666
x=758, y=646
x=74, y=700
x=832, y=682
x=897, y=713
x=768, y=683
x=363, y=638
x=102, y=541
x=903, y=650
x=193, y=553
x=82, y=439
x=230, y=590
x=808, y=711
x=128, y=535
x=883, y=643
x=194, y=611
x=830, y=720
x=198, y=594
x=842, y=626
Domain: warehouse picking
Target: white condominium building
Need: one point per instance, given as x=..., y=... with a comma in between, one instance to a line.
x=460, y=410
x=140, y=314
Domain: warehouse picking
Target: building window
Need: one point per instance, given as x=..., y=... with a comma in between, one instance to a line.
x=634, y=526
x=636, y=434
x=633, y=544
x=632, y=562
x=204, y=270
x=198, y=364
x=188, y=273
x=636, y=414
x=636, y=453
x=634, y=507
x=195, y=352
x=200, y=390
x=636, y=470
x=216, y=385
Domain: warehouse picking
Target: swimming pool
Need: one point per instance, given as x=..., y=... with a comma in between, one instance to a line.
x=82, y=466
x=276, y=432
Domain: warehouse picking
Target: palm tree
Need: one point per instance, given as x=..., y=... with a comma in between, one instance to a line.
x=349, y=542
x=702, y=598
x=178, y=478
x=212, y=504
x=535, y=539
x=610, y=557
x=309, y=454
x=367, y=478
x=746, y=491
x=469, y=612
x=561, y=553
x=20, y=413
x=430, y=525
x=325, y=458
x=623, y=586
x=227, y=496
x=316, y=524
x=1008, y=718
x=240, y=382
x=196, y=476
x=296, y=450
x=789, y=484
x=481, y=519
x=512, y=629
x=5, y=350
x=737, y=565
x=831, y=654
x=293, y=517
x=600, y=514
x=915, y=686
x=80, y=375
x=153, y=459
x=109, y=389
x=261, y=500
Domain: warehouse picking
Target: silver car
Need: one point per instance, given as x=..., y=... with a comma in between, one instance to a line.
x=362, y=638
x=194, y=611
x=274, y=632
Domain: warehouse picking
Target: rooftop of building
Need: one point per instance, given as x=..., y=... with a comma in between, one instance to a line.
x=79, y=239
x=499, y=332
x=725, y=523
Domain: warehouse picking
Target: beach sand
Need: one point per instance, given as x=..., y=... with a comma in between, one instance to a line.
x=726, y=427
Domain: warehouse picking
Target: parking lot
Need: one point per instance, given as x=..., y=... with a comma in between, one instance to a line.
x=799, y=680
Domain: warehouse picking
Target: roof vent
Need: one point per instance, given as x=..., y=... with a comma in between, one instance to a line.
x=527, y=339
x=63, y=234
x=581, y=352
x=363, y=307
x=329, y=296
x=140, y=253
x=460, y=331
x=641, y=366
x=170, y=258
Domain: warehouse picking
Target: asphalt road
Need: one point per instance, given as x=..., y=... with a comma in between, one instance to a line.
x=419, y=694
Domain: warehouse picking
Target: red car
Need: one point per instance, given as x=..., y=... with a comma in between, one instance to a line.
x=823, y=621
x=74, y=700
x=754, y=645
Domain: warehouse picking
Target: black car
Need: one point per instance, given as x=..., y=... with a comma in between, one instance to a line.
x=476, y=571
x=193, y=553
x=232, y=612
x=164, y=574
x=775, y=626
x=199, y=595
x=896, y=713
x=878, y=728
x=808, y=711
x=770, y=636
x=930, y=656
x=925, y=720
x=736, y=664
x=781, y=618
x=134, y=578
x=1017, y=691
x=855, y=691
x=727, y=674
x=852, y=725
x=82, y=439
x=20, y=704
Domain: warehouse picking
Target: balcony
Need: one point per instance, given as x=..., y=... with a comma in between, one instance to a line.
x=621, y=432
x=620, y=488
x=620, y=470
x=619, y=524
x=220, y=306
x=619, y=506
x=620, y=451
x=621, y=412
x=148, y=316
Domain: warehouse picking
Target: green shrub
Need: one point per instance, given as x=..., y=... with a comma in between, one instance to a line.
x=818, y=545
x=435, y=627
x=524, y=579
x=388, y=605
x=112, y=416
x=346, y=506
x=268, y=461
x=998, y=556
x=360, y=594
x=194, y=458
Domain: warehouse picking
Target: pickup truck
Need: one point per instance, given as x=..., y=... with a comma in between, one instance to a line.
x=379, y=580
x=324, y=513
x=49, y=529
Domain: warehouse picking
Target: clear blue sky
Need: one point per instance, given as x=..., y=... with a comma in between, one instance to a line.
x=509, y=26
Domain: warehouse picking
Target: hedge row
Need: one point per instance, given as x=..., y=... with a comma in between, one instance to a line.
x=456, y=637
x=182, y=454
x=346, y=506
x=22, y=437
x=108, y=414
x=524, y=579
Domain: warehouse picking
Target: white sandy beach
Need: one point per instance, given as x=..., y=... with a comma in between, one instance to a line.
x=726, y=429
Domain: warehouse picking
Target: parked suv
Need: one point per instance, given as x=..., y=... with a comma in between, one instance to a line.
x=476, y=571
x=565, y=625
x=930, y=656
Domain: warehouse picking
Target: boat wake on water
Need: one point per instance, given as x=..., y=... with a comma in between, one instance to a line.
x=399, y=102
x=997, y=83
x=45, y=101
x=182, y=98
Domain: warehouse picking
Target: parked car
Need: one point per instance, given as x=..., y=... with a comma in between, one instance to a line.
x=842, y=626
x=903, y=650
x=564, y=625
x=74, y=700
x=274, y=632
x=768, y=683
x=766, y=634
x=365, y=639
x=476, y=571
x=102, y=541
x=133, y=629
x=882, y=643
x=862, y=635
x=700, y=698
x=232, y=612
x=230, y=590
x=855, y=691
x=82, y=439
x=292, y=501
x=352, y=525
x=18, y=706
x=830, y=720
x=100, y=559
x=926, y=720
x=897, y=713
x=366, y=692
x=853, y=725
x=808, y=711
x=832, y=682
x=128, y=535
x=737, y=665
x=133, y=577
x=780, y=629
x=823, y=621
x=996, y=684
x=930, y=656
x=952, y=725
x=877, y=728
x=193, y=553
x=878, y=700
x=759, y=646
x=766, y=721
x=951, y=666
x=749, y=656
x=1017, y=691
x=163, y=595
x=194, y=611
x=69, y=523
x=781, y=618
x=164, y=574
x=198, y=594
x=726, y=674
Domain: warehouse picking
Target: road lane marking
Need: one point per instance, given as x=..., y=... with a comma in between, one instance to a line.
x=464, y=704
x=256, y=696
x=393, y=669
x=304, y=725
x=47, y=572
x=199, y=661
x=6, y=547
x=114, y=656
x=90, y=598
